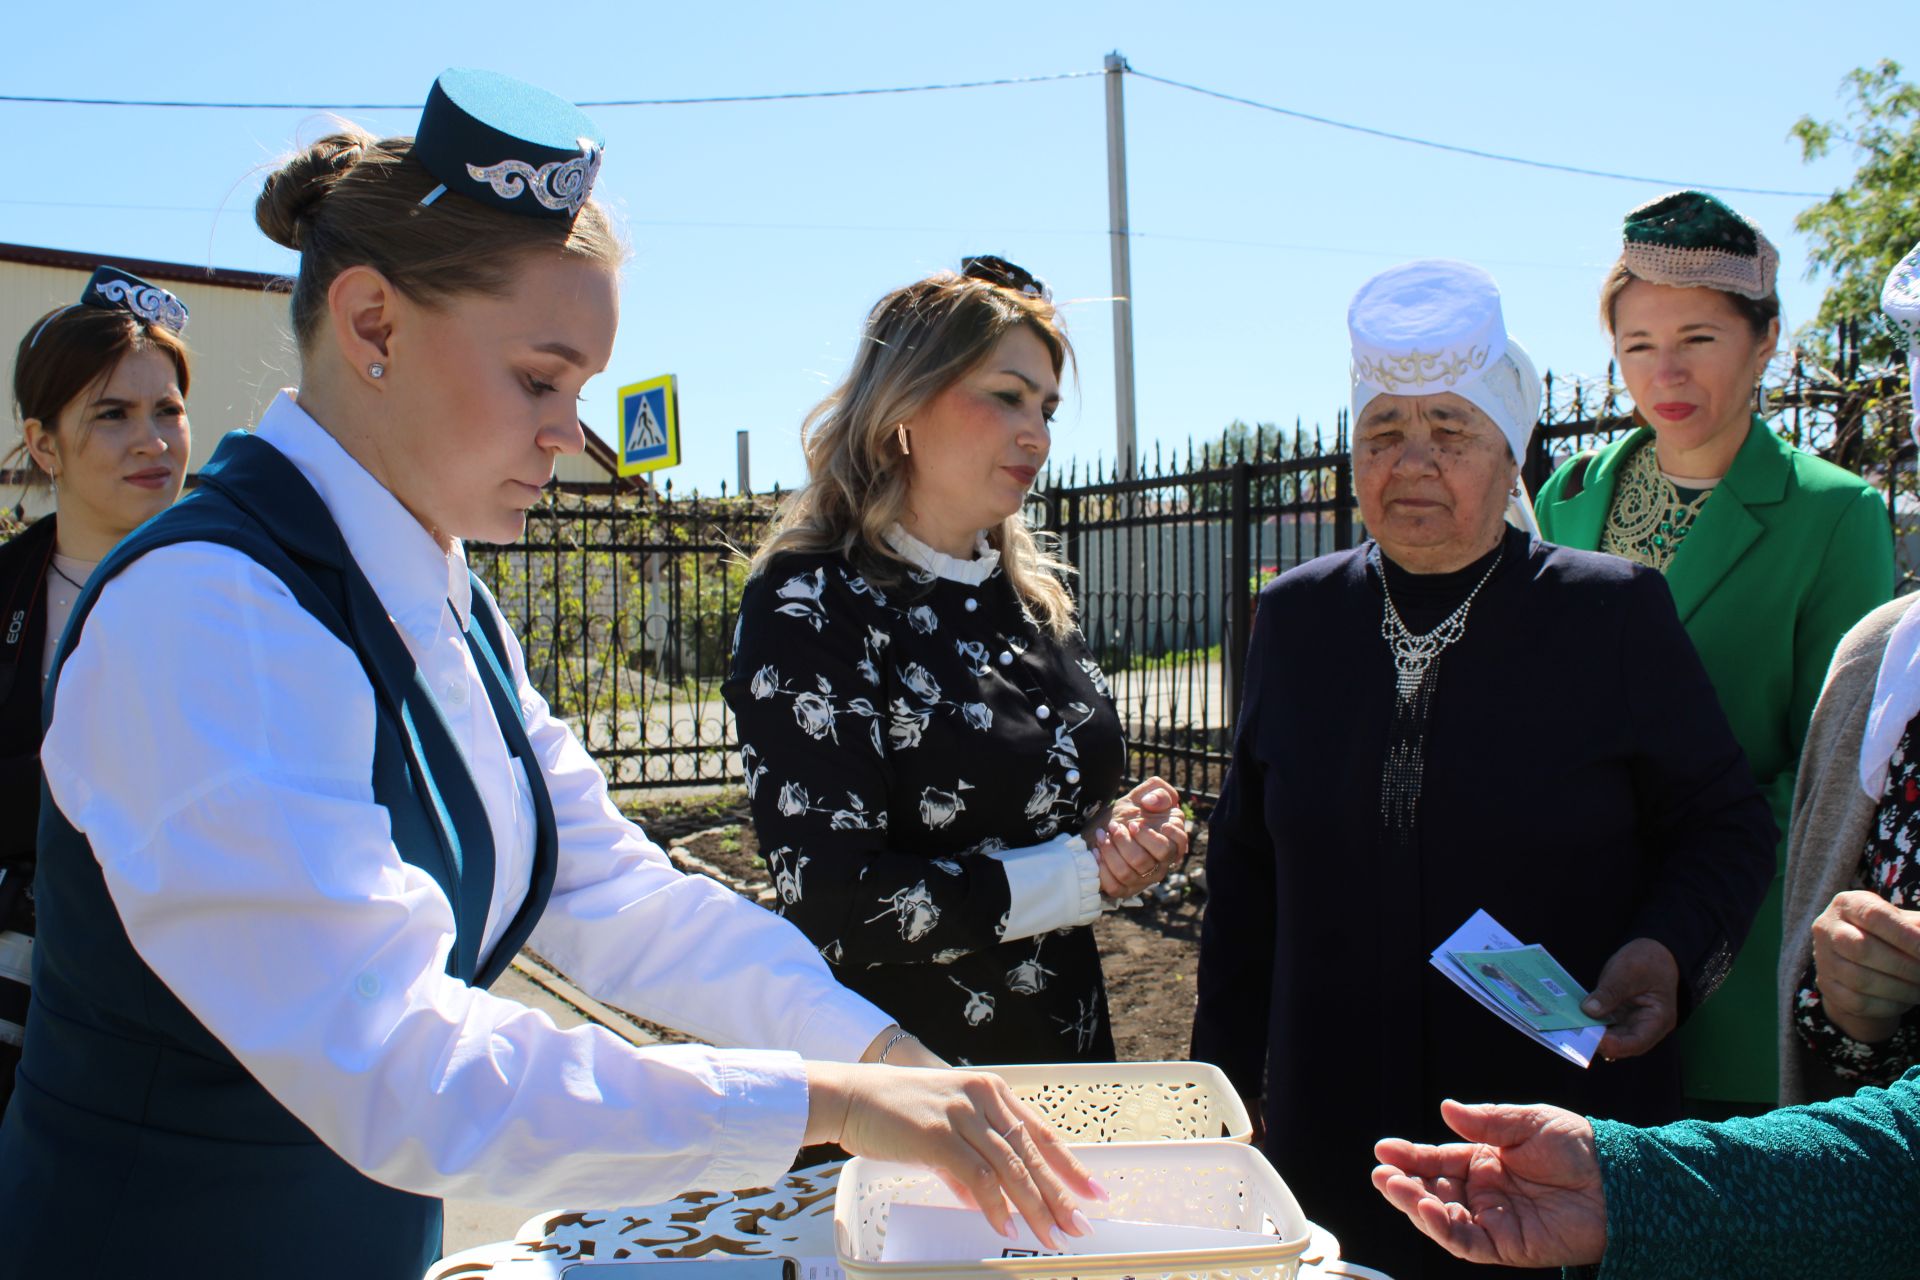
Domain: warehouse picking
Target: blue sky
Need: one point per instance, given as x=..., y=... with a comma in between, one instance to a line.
x=761, y=233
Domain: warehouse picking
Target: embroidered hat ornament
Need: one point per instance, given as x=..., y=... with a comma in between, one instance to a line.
x=505, y=143
x=1436, y=325
x=1900, y=303
x=112, y=289
x=1690, y=240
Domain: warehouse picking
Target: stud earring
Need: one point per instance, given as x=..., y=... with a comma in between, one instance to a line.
x=900, y=429
x=376, y=370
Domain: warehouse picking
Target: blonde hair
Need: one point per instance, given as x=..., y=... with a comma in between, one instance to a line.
x=919, y=341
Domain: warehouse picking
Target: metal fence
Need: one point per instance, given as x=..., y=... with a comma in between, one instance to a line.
x=1170, y=559
x=626, y=602
x=625, y=605
x=1168, y=562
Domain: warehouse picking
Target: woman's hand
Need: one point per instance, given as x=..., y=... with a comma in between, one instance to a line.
x=1524, y=1190
x=1138, y=838
x=1639, y=992
x=1866, y=963
x=989, y=1147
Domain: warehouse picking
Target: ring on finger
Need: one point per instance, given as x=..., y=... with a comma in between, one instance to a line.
x=1006, y=1134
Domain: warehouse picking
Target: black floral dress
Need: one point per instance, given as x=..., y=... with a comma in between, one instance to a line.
x=893, y=741
x=1890, y=867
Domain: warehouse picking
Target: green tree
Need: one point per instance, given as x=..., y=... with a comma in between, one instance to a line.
x=1860, y=231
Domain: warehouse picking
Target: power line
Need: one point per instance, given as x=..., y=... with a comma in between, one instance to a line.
x=602, y=102
x=805, y=95
x=1476, y=152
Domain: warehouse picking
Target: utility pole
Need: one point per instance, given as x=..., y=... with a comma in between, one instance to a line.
x=745, y=486
x=1122, y=266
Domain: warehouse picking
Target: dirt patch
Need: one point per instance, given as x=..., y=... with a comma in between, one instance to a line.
x=1151, y=952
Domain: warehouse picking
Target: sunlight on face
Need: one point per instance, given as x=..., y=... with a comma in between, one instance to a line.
x=1690, y=360
x=1432, y=475
x=978, y=445
x=490, y=394
x=120, y=447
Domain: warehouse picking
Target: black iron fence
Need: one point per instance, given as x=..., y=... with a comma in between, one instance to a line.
x=625, y=602
x=625, y=605
x=1168, y=563
x=1170, y=558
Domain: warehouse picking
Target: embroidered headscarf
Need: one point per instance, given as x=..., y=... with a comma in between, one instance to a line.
x=1435, y=325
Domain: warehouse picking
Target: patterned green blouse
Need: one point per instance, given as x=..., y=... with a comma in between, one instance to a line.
x=1651, y=516
x=1826, y=1190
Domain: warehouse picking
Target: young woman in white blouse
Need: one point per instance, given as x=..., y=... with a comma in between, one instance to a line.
x=307, y=805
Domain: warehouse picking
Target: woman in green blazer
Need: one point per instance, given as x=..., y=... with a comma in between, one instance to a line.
x=1771, y=554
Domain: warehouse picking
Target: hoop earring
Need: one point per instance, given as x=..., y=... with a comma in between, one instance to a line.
x=900, y=430
x=376, y=370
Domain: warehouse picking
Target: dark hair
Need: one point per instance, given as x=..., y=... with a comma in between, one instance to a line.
x=1757, y=312
x=352, y=199
x=71, y=349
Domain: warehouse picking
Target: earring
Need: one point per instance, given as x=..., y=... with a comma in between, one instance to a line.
x=900, y=429
x=376, y=370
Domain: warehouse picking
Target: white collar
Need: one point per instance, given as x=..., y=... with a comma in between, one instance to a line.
x=413, y=577
x=941, y=565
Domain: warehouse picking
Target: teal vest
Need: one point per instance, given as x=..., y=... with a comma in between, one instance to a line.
x=135, y=1139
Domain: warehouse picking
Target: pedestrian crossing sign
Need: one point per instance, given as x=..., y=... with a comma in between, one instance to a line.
x=649, y=426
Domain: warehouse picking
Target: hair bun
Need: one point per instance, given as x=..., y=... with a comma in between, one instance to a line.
x=297, y=186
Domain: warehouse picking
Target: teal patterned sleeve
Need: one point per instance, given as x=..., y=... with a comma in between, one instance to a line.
x=1822, y=1189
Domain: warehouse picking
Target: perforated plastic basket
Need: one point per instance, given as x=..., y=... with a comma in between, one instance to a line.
x=1210, y=1183
x=1132, y=1101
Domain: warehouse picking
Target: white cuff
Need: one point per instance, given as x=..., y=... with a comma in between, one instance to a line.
x=1055, y=885
x=762, y=1117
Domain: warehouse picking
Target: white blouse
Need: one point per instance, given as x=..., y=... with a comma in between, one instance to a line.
x=222, y=772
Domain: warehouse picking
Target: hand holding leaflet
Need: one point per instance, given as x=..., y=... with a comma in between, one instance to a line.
x=1523, y=985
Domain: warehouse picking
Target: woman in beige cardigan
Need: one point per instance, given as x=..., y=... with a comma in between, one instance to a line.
x=1849, y=977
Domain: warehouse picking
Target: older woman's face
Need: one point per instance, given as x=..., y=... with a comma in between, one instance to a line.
x=1432, y=474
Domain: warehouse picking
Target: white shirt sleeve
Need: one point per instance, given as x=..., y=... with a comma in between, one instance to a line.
x=727, y=970
x=222, y=773
x=1055, y=885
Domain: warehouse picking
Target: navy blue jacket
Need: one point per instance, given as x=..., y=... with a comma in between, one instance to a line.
x=1581, y=785
x=133, y=1132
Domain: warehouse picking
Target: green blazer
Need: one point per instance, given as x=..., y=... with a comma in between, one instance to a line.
x=1786, y=554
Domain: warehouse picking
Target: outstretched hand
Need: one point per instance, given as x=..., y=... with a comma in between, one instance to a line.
x=1523, y=1190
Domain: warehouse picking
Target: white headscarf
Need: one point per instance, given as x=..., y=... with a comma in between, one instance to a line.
x=1896, y=691
x=1436, y=325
